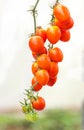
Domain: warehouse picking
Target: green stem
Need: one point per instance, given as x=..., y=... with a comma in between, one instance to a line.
x=34, y=15
x=57, y=1
x=36, y=4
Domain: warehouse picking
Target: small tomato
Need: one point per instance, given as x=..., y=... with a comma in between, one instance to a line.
x=36, y=43
x=42, y=76
x=65, y=36
x=52, y=81
x=35, y=84
x=44, y=61
x=61, y=12
x=56, y=54
x=41, y=32
x=53, y=34
x=53, y=71
x=38, y=103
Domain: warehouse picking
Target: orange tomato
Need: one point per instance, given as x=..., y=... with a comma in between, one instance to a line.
x=35, y=84
x=52, y=81
x=36, y=43
x=61, y=12
x=53, y=34
x=42, y=76
x=54, y=69
x=56, y=54
x=65, y=36
x=35, y=67
x=44, y=61
x=64, y=26
x=38, y=103
x=42, y=51
x=68, y=25
x=41, y=32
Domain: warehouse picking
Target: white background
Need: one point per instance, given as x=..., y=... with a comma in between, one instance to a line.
x=16, y=23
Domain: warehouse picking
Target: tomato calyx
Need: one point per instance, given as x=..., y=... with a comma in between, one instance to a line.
x=27, y=107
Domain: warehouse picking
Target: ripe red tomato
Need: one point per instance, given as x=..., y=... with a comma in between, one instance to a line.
x=41, y=32
x=42, y=51
x=61, y=12
x=36, y=43
x=56, y=54
x=65, y=36
x=52, y=81
x=53, y=71
x=53, y=34
x=35, y=67
x=44, y=61
x=35, y=84
x=64, y=26
x=68, y=25
x=38, y=103
x=42, y=76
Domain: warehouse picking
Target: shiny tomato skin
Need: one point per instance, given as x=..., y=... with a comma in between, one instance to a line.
x=39, y=103
x=34, y=54
x=65, y=36
x=54, y=69
x=43, y=61
x=35, y=67
x=56, y=54
x=53, y=34
x=36, y=87
x=52, y=81
x=64, y=26
x=42, y=76
x=68, y=25
x=41, y=32
x=61, y=12
x=36, y=43
x=42, y=51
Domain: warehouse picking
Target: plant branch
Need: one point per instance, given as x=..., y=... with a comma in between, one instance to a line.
x=34, y=12
x=57, y=1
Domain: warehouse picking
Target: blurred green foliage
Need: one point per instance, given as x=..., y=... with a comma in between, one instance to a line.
x=48, y=120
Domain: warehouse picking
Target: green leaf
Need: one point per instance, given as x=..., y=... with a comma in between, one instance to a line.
x=31, y=116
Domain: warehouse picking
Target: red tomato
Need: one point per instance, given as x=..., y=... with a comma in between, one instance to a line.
x=35, y=67
x=42, y=51
x=43, y=61
x=41, y=32
x=42, y=76
x=56, y=54
x=52, y=81
x=67, y=25
x=35, y=84
x=38, y=103
x=34, y=54
x=53, y=34
x=36, y=43
x=53, y=71
x=65, y=36
x=61, y=12
x=64, y=26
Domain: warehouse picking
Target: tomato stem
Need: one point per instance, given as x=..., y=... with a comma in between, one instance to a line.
x=34, y=11
x=57, y=1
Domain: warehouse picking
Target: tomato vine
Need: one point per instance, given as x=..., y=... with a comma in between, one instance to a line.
x=45, y=67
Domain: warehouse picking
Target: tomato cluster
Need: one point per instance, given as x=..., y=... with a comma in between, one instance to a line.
x=46, y=58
